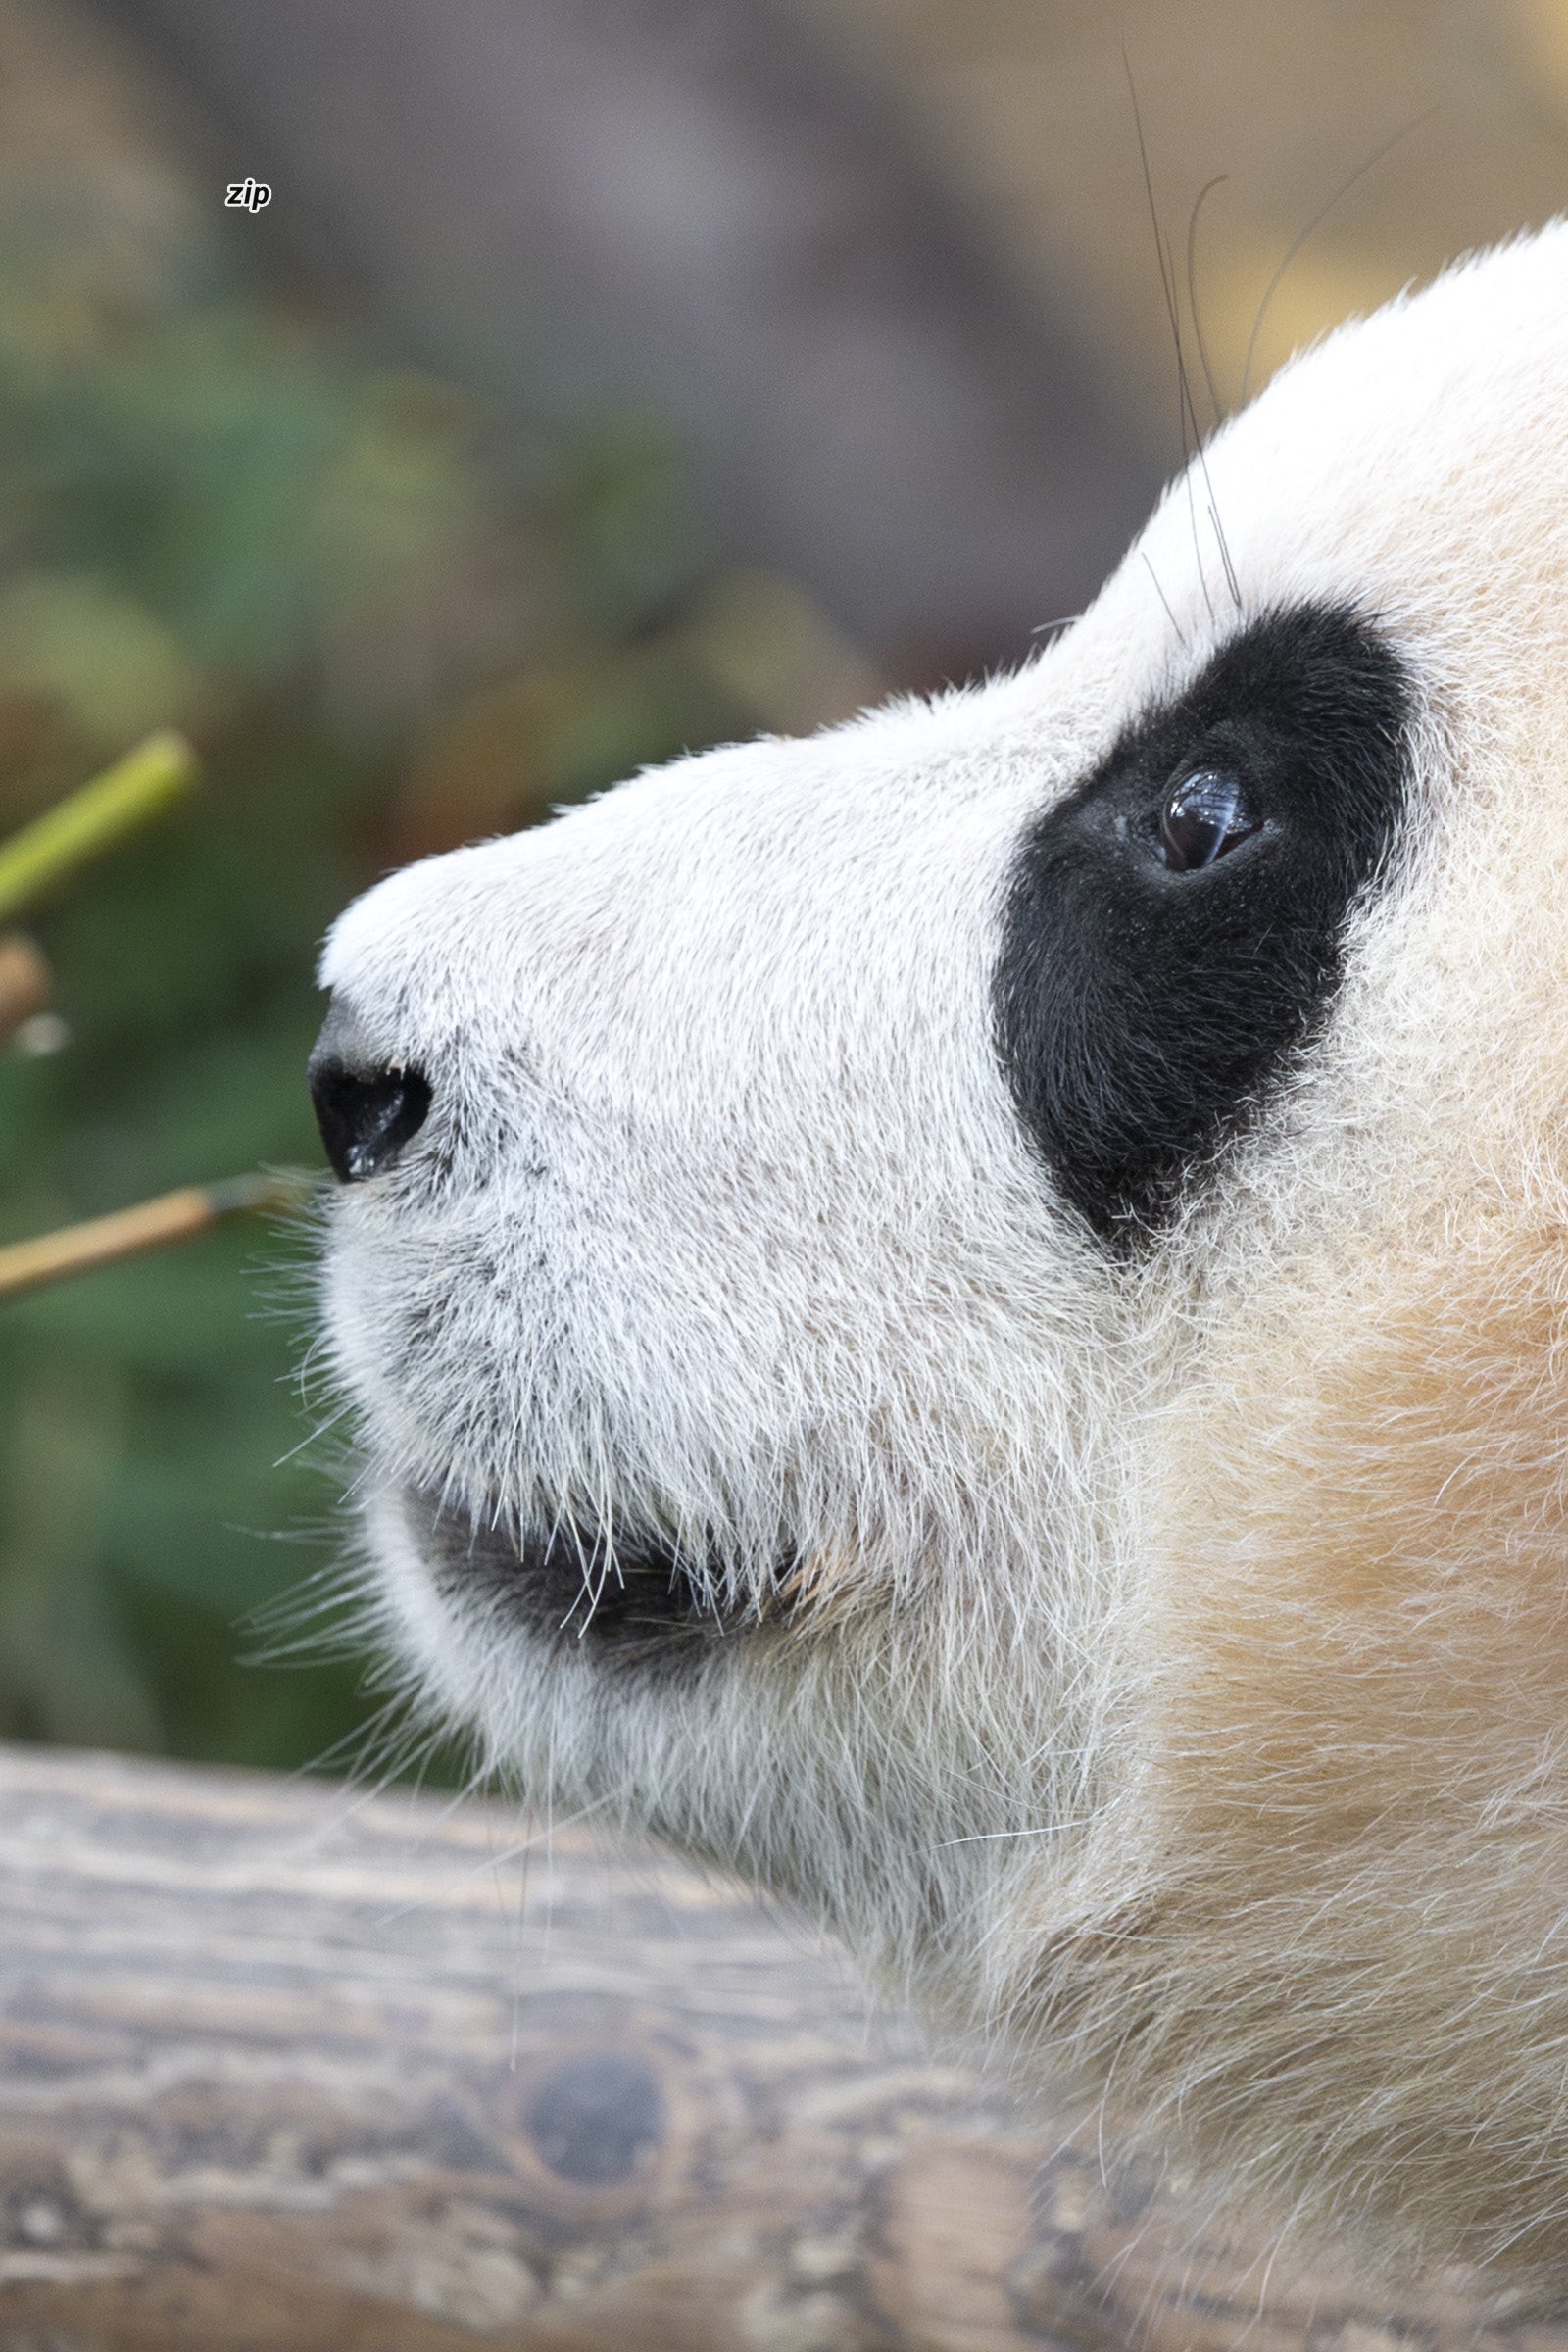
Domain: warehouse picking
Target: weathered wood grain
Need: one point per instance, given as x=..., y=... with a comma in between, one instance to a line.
x=280, y=2069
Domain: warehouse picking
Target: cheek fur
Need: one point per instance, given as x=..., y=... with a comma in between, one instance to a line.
x=1367, y=1553
x=1334, y=1930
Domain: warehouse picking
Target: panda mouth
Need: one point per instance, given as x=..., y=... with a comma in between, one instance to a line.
x=619, y=1595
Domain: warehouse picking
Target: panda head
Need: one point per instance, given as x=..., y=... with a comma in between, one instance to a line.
x=970, y=1316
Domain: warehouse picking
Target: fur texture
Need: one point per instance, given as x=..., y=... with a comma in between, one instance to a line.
x=1160, y=1655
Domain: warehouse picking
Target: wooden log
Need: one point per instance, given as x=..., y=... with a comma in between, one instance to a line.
x=282, y=2069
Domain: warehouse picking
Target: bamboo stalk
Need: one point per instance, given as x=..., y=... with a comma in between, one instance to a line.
x=152, y=1224
x=25, y=983
x=147, y=780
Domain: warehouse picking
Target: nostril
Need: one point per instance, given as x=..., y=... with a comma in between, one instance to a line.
x=365, y=1116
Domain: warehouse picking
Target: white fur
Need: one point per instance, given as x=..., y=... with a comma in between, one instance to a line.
x=725, y=1218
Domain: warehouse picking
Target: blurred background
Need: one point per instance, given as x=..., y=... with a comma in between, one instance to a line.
x=605, y=379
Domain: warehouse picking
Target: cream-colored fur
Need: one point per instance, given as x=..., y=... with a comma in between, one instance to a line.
x=1178, y=1680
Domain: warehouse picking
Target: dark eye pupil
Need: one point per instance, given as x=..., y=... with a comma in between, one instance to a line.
x=1205, y=815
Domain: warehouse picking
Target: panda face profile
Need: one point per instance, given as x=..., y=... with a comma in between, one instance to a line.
x=970, y=1317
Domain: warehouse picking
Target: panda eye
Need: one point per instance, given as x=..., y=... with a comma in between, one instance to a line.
x=1205, y=815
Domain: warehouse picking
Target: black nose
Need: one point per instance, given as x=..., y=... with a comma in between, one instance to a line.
x=365, y=1113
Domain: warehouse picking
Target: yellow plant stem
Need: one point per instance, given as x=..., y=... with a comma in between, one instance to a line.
x=171, y=1217
x=25, y=984
x=147, y=780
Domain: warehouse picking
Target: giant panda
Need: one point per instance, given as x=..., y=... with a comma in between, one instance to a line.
x=970, y=1317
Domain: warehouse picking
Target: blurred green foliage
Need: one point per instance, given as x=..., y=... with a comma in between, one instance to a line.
x=391, y=621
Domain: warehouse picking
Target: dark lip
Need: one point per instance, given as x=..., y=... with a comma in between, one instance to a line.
x=564, y=1585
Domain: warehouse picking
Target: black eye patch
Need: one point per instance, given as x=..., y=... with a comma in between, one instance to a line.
x=1175, y=926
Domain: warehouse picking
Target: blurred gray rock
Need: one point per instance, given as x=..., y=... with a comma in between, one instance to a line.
x=689, y=204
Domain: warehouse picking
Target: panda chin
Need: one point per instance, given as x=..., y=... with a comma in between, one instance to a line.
x=624, y=1600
